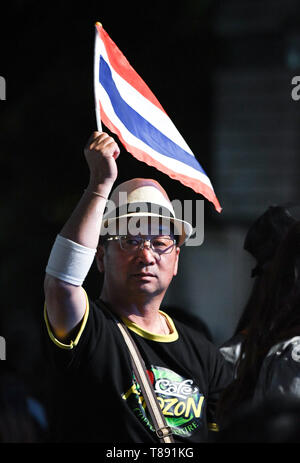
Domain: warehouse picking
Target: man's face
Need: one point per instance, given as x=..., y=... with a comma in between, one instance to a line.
x=132, y=275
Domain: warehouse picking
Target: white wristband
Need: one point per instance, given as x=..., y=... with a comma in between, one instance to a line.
x=70, y=261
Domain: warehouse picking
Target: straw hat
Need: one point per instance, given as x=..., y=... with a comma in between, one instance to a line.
x=142, y=198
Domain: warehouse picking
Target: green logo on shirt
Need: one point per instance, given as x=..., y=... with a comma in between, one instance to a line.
x=179, y=399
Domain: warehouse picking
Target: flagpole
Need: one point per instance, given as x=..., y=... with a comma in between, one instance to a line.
x=96, y=78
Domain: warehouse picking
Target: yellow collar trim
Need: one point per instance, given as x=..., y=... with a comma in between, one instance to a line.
x=172, y=336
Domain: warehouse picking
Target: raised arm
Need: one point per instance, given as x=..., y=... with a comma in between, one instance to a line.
x=65, y=301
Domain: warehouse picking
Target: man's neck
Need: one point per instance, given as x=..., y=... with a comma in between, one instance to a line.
x=143, y=312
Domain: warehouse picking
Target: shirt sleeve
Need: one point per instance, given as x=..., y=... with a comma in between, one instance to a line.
x=73, y=354
x=73, y=342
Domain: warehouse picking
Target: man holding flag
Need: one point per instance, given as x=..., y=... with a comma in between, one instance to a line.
x=97, y=396
x=101, y=392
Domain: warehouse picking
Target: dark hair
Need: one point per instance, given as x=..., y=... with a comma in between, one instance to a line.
x=262, y=241
x=266, y=233
x=275, y=317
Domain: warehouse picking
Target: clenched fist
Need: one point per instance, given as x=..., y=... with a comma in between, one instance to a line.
x=101, y=152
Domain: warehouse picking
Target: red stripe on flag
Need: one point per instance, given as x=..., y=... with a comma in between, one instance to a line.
x=122, y=66
x=196, y=185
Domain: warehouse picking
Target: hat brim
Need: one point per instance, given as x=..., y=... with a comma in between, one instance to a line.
x=181, y=228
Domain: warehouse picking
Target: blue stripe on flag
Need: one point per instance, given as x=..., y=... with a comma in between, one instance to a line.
x=139, y=126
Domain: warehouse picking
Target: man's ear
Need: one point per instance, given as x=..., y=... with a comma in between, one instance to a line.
x=100, y=258
x=177, y=251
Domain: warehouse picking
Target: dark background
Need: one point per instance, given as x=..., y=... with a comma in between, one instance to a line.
x=221, y=70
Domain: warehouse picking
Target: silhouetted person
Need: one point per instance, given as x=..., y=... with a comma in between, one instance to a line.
x=262, y=241
x=269, y=364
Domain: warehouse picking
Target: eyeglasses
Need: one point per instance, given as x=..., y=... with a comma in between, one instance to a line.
x=158, y=244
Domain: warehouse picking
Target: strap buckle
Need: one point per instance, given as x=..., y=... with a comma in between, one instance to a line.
x=164, y=431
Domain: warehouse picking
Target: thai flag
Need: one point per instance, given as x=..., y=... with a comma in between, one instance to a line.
x=128, y=108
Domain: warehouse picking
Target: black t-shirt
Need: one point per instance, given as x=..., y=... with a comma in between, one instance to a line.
x=95, y=397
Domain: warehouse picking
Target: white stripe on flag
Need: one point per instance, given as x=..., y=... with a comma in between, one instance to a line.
x=171, y=163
